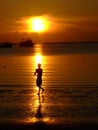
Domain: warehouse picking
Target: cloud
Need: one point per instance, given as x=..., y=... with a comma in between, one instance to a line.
x=60, y=28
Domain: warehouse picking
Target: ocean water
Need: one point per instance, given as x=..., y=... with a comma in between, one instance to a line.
x=70, y=80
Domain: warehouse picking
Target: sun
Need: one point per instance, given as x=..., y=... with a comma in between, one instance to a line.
x=38, y=25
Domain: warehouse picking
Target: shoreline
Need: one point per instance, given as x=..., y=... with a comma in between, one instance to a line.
x=44, y=126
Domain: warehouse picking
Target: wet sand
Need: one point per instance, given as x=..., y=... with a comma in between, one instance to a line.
x=44, y=126
x=71, y=90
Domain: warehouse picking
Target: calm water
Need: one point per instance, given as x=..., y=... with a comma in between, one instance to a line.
x=70, y=80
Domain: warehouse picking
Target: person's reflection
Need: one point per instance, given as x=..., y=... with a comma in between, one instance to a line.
x=39, y=112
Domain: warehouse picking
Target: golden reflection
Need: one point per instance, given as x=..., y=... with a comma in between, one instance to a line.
x=38, y=58
x=38, y=55
x=39, y=108
x=36, y=103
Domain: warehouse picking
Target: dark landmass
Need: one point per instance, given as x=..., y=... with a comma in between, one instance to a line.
x=51, y=47
x=72, y=47
x=71, y=43
x=23, y=43
x=26, y=43
x=6, y=45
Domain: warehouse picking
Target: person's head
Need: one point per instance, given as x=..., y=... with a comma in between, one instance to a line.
x=39, y=65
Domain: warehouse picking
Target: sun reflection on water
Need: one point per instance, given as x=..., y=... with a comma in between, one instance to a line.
x=38, y=58
x=38, y=110
x=38, y=55
x=37, y=106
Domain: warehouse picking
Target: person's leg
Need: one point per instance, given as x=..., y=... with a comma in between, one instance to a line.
x=41, y=88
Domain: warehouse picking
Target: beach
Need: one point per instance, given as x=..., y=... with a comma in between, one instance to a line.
x=70, y=80
x=42, y=125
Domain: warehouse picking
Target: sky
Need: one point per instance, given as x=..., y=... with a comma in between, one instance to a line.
x=69, y=20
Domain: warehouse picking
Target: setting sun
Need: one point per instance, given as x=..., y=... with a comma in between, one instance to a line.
x=38, y=25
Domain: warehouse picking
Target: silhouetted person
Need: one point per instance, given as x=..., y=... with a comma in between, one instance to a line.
x=39, y=72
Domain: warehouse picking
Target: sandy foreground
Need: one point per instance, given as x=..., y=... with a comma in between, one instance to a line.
x=45, y=126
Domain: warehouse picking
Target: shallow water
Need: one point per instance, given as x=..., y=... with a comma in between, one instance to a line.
x=70, y=81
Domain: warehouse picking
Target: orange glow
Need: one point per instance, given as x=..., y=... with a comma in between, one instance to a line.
x=38, y=55
x=38, y=58
x=38, y=24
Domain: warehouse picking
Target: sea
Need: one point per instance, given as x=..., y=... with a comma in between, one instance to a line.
x=70, y=81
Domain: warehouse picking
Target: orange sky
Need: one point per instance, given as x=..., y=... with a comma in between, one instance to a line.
x=71, y=20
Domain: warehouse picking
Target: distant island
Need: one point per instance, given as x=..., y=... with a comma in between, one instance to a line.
x=76, y=43
x=26, y=43
x=29, y=43
x=6, y=45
